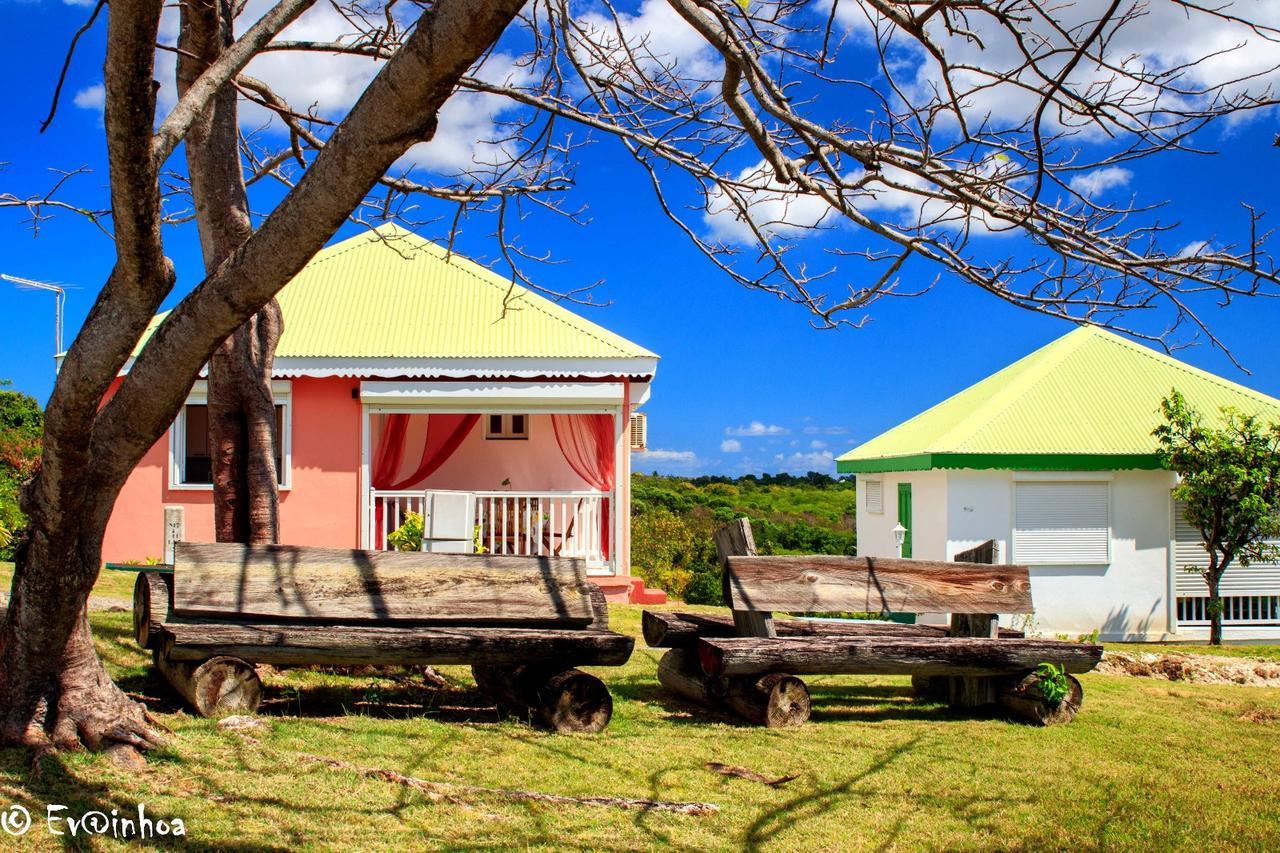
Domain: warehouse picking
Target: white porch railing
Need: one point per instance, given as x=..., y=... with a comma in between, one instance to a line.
x=537, y=524
x=1193, y=611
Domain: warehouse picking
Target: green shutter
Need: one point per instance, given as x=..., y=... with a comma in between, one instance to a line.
x=904, y=515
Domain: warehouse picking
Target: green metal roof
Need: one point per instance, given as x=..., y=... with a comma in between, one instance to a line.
x=393, y=294
x=1087, y=401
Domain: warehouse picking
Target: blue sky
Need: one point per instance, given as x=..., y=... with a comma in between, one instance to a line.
x=745, y=384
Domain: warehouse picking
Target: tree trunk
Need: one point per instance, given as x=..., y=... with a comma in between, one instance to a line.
x=1214, y=578
x=242, y=417
x=54, y=691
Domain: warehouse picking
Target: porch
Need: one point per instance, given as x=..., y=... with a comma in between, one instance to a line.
x=507, y=468
x=524, y=524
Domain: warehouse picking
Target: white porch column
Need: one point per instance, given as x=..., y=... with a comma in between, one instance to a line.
x=365, y=485
x=621, y=509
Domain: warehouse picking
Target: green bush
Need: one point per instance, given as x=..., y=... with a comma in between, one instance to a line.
x=705, y=588
x=21, y=434
x=408, y=536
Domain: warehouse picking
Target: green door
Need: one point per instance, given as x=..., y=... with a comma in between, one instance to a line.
x=904, y=518
x=904, y=515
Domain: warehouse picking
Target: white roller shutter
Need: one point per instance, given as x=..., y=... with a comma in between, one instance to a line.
x=874, y=490
x=1258, y=579
x=1062, y=523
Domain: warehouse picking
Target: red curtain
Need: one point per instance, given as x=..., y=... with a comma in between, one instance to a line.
x=587, y=442
x=444, y=433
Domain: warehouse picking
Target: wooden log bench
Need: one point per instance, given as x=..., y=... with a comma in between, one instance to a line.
x=749, y=664
x=524, y=624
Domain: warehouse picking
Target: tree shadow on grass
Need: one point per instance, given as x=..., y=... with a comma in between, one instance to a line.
x=52, y=781
x=860, y=704
x=978, y=808
x=773, y=821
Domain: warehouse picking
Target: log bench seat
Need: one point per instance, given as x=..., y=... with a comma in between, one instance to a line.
x=522, y=623
x=749, y=663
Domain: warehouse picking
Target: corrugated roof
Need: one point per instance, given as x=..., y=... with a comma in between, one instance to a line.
x=1090, y=393
x=393, y=294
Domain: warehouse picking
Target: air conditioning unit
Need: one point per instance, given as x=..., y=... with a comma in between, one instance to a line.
x=639, y=431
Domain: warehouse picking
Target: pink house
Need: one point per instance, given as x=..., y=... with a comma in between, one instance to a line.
x=409, y=379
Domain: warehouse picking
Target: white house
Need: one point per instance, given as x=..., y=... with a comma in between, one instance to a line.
x=1053, y=458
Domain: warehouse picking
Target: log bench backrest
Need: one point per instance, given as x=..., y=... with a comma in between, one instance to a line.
x=756, y=586
x=336, y=585
x=875, y=585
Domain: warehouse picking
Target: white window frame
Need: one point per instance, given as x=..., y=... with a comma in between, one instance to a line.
x=507, y=433
x=876, y=508
x=281, y=392
x=1061, y=479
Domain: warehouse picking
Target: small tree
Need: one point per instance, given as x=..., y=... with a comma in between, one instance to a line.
x=1230, y=485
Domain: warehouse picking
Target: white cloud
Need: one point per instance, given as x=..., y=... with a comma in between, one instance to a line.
x=677, y=457
x=772, y=209
x=1192, y=249
x=1209, y=49
x=756, y=428
x=92, y=98
x=891, y=195
x=827, y=430
x=817, y=445
x=731, y=445
x=656, y=37
x=467, y=137
x=1100, y=180
x=818, y=460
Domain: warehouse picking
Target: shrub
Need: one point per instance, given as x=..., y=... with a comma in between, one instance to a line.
x=21, y=432
x=705, y=588
x=408, y=536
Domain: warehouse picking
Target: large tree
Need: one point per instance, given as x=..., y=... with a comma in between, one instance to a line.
x=902, y=134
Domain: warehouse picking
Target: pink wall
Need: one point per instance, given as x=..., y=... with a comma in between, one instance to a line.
x=322, y=507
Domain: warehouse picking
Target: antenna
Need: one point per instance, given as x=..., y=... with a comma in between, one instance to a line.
x=59, y=296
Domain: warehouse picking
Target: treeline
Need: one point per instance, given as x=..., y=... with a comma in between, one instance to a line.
x=673, y=519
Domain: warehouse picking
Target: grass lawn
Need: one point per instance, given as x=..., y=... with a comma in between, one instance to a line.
x=1147, y=764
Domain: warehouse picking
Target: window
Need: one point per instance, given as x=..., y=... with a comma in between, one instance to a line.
x=639, y=428
x=506, y=427
x=1062, y=523
x=191, y=464
x=874, y=491
x=1251, y=594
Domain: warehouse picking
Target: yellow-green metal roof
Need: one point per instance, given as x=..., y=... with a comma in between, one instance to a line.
x=1087, y=401
x=392, y=294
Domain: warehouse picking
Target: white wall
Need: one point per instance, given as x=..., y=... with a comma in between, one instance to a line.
x=928, y=510
x=1127, y=599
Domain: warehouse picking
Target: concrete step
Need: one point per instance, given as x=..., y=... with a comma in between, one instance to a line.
x=641, y=595
x=627, y=589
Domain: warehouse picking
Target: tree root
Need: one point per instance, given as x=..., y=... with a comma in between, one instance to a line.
x=99, y=717
x=750, y=775
x=452, y=790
